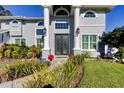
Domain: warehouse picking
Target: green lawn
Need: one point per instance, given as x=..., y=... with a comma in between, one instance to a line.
x=102, y=75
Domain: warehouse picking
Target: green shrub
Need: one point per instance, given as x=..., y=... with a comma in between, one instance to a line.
x=61, y=79
x=1, y=49
x=86, y=54
x=14, y=54
x=1, y=55
x=9, y=47
x=23, y=51
x=7, y=53
x=20, y=69
x=16, y=48
x=29, y=54
x=78, y=59
x=33, y=52
x=120, y=53
x=38, y=51
x=67, y=72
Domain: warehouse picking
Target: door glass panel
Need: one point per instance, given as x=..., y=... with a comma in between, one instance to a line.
x=61, y=44
x=65, y=44
x=58, y=44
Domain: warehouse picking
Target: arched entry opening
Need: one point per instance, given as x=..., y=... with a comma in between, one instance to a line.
x=61, y=10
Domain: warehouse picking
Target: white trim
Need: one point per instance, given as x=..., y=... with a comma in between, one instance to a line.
x=97, y=35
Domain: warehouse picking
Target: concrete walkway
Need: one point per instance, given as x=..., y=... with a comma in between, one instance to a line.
x=18, y=82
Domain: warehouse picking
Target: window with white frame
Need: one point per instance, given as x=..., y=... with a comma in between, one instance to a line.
x=15, y=22
x=39, y=42
x=89, y=14
x=20, y=41
x=89, y=42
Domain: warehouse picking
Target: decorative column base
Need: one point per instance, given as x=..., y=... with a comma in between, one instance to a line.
x=77, y=51
x=45, y=53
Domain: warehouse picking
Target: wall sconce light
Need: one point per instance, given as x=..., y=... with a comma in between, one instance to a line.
x=44, y=31
x=77, y=31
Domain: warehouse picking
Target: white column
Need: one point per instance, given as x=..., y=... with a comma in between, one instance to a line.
x=76, y=25
x=46, y=25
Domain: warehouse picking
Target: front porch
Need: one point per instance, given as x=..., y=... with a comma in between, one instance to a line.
x=63, y=40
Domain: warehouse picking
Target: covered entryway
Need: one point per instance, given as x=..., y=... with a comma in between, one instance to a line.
x=61, y=44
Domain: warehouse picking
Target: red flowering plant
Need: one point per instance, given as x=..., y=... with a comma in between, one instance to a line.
x=51, y=57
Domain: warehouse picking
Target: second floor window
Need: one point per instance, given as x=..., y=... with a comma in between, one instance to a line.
x=15, y=22
x=90, y=14
x=40, y=23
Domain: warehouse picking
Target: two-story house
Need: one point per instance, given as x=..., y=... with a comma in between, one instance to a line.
x=64, y=30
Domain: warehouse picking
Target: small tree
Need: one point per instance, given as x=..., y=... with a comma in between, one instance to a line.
x=114, y=38
x=4, y=12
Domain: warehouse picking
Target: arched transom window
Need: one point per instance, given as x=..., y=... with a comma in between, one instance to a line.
x=15, y=22
x=89, y=14
x=41, y=23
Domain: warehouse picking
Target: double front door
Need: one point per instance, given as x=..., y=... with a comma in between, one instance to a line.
x=61, y=44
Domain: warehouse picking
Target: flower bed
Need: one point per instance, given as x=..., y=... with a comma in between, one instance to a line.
x=14, y=70
x=66, y=75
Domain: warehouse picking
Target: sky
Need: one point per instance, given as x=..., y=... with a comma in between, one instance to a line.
x=114, y=19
